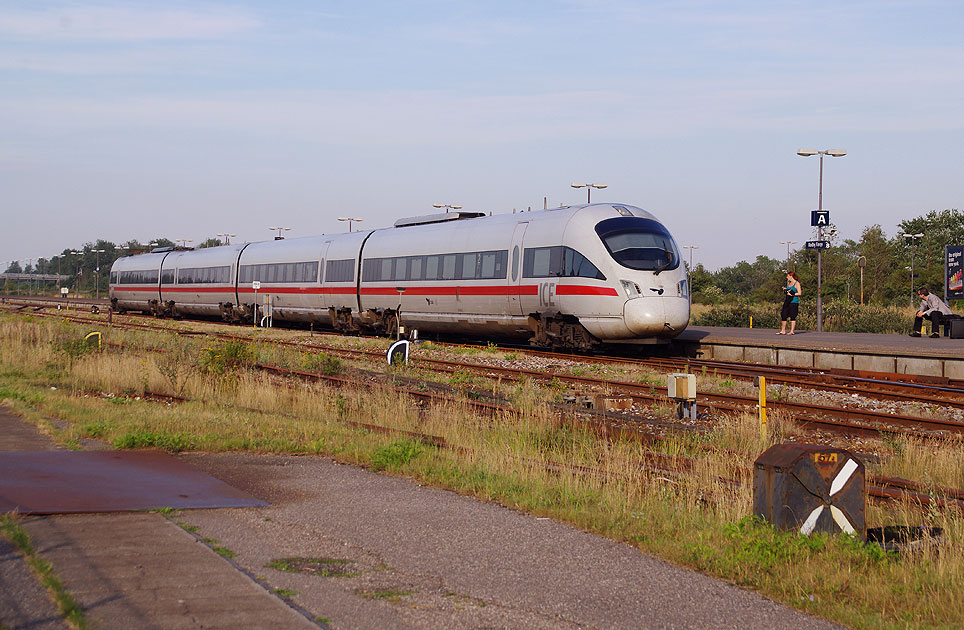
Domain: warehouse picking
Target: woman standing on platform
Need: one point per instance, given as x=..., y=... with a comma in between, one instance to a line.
x=791, y=304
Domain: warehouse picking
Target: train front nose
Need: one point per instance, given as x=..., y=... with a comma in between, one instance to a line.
x=656, y=316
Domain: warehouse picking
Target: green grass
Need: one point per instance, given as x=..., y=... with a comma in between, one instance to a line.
x=396, y=455
x=66, y=604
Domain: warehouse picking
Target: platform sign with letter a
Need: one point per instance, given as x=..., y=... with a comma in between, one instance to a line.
x=819, y=218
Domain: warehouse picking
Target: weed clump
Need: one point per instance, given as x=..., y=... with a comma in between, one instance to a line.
x=171, y=442
x=226, y=357
x=322, y=363
x=396, y=454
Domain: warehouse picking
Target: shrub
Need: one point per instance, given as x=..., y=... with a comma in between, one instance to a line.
x=838, y=316
x=230, y=355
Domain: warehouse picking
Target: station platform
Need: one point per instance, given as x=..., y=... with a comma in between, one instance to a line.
x=864, y=352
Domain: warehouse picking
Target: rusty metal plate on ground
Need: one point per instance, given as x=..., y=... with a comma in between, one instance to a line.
x=65, y=482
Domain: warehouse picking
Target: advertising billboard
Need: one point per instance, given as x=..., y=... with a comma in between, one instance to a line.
x=954, y=272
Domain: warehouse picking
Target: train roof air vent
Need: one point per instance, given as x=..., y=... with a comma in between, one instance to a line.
x=437, y=218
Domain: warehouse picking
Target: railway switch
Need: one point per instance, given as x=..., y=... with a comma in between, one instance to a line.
x=810, y=488
x=681, y=387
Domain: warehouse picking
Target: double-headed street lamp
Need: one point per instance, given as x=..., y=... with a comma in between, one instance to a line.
x=831, y=153
x=227, y=237
x=350, y=220
x=447, y=206
x=788, y=244
x=588, y=188
x=913, y=248
x=281, y=231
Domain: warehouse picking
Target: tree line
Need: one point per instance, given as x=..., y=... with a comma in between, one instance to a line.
x=86, y=268
x=886, y=274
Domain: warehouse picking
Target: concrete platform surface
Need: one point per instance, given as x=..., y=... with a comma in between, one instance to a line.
x=864, y=343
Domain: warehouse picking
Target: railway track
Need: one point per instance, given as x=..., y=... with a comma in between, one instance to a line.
x=845, y=420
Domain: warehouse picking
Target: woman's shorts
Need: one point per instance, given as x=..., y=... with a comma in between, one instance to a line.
x=790, y=311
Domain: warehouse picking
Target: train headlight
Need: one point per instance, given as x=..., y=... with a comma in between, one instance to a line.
x=631, y=289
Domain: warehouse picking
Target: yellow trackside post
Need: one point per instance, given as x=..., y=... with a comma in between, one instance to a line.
x=94, y=334
x=751, y=321
x=762, y=381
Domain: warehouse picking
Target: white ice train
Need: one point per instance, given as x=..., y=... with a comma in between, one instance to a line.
x=570, y=277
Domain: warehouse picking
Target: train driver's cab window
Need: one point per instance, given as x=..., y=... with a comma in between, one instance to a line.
x=639, y=243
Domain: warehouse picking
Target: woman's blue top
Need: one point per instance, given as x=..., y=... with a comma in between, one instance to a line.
x=793, y=291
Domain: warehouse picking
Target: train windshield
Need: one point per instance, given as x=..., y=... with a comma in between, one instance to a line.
x=638, y=243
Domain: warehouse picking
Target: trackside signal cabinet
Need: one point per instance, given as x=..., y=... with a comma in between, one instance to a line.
x=810, y=488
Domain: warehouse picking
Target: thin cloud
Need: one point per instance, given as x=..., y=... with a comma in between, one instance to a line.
x=122, y=24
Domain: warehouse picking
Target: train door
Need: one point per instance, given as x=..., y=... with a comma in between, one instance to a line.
x=323, y=299
x=514, y=275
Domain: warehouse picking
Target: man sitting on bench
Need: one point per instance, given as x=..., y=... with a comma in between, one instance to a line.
x=932, y=308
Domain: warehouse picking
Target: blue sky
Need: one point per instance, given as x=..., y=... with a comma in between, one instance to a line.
x=137, y=120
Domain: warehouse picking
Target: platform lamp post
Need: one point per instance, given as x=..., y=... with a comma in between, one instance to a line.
x=913, y=248
x=588, y=188
x=78, y=284
x=446, y=206
x=227, y=237
x=281, y=231
x=184, y=241
x=788, y=244
x=350, y=220
x=861, y=263
x=831, y=153
x=97, y=253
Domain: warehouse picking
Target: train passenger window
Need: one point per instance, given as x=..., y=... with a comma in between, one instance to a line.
x=319, y=269
x=488, y=265
x=448, y=266
x=415, y=268
x=167, y=277
x=431, y=268
x=469, y=269
x=340, y=270
x=515, y=263
x=536, y=262
x=400, y=268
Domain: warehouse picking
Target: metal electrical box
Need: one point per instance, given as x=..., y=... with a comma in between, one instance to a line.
x=681, y=386
x=810, y=488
